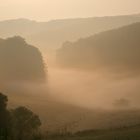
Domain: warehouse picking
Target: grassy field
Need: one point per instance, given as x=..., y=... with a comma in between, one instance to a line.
x=130, y=133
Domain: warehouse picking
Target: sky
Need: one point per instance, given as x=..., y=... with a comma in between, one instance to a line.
x=44, y=10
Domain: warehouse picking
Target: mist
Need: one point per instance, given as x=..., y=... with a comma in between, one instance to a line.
x=77, y=74
x=78, y=95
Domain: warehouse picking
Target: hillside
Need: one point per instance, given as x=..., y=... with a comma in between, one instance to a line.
x=126, y=133
x=62, y=117
x=20, y=62
x=52, y=34
x=114, y=50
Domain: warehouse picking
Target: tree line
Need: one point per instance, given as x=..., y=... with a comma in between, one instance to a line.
x=19, y=123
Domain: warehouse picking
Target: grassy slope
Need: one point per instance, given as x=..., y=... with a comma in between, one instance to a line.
x=57, y=116
x=131, y=133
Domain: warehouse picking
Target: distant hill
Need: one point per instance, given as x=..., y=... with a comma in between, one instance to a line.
x=53, y=33
x=20, y=61
x=117, y=50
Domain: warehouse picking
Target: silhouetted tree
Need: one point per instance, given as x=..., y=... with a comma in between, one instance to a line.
x=4, y=117
x=20, y=61
x=19, y=123
x=3, y=102
x=25, y=123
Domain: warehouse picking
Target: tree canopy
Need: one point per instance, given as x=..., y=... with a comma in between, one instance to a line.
x=17, y=124
x=20, y=61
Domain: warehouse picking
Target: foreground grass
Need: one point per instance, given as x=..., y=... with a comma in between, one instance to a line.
x=131, y=133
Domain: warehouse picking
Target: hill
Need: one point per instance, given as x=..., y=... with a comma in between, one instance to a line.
x=114, y=50
x=20, y=62
x=61, y=117
x=53, y=33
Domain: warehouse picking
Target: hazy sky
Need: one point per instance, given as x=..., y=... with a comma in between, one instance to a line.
x=44, y=10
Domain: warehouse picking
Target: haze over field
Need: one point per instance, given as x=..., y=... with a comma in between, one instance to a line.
x=80, y=91
x=75, y=63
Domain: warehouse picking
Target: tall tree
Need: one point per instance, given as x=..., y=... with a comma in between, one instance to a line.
x=26, y=123
x=4, y=117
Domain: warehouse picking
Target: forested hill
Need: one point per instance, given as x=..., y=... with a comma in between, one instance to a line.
x=116, y=49
x=20, y=61
x=54, y=33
